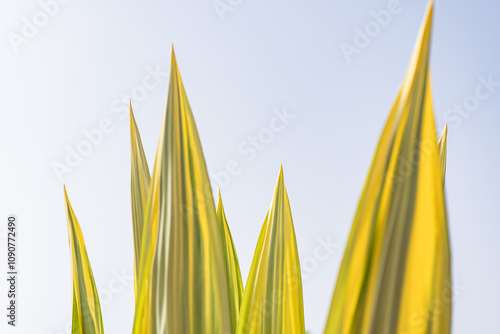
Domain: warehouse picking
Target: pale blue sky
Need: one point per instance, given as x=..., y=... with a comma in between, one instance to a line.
x=263, y=58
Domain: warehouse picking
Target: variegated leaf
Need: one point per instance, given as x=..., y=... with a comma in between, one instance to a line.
x=232, y=264
x=87, y=317
x=272, y=301
x=139, y=183
x=395, y=274
x=183, y=284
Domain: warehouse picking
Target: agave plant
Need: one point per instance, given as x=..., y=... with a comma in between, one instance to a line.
x=186, y=270
x=397, y=259
x=87, y=317
x=272, y=302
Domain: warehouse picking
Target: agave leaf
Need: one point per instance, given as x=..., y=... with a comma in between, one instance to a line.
x=442, y=151
x=395, y=273
x=183, y=284
x=87, y=317
x=232, y=264
x=272, y=301
x=140, y=180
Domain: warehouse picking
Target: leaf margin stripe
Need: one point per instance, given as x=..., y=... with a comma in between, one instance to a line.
x=274, y=280
x=139, y=183
x=177, y=307
x=232, y=264
x=87, y=318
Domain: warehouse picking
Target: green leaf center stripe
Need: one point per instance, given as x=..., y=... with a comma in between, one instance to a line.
x=397, y=257
x=183, y=283
x=272, y=300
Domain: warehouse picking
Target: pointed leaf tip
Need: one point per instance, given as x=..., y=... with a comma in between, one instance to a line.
x=139, y=182
x=397, y=259
x=280, y=175
x=442, y=145
x=173, y=61
x=181, y=248
x=131, y=116
x=274, y=283
x=232, y=265
x=86, y=307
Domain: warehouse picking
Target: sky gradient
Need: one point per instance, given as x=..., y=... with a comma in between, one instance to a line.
x=293, y=83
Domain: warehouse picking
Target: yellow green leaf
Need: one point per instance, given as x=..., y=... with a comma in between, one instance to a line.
x=87, y=317
x=272, y=300
x=232, y=265
x=395, y=274
x=140, y=180
x=442, y=151
x=183, y=284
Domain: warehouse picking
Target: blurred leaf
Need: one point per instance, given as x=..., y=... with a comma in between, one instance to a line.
x=183, y=284
x=395, y=275
x=272, y=300
x=87, y=317
x=140, y=180
x=232, y=265
x=442, y=151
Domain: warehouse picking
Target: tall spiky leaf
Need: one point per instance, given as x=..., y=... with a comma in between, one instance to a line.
x=272, y=301
x=182, y=277
x=395, y=273
x=139, y=182
x=232, y=264
x=87, y=317
x=442, y=151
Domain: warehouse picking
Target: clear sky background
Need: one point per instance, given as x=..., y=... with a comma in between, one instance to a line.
x=241, y=68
